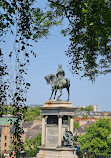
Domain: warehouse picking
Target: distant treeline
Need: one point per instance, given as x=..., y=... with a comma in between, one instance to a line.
x=32, y=113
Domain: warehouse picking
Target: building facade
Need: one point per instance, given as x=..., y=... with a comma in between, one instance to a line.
x=6, y=130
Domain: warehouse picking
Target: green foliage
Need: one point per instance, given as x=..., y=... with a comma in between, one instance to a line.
x=76, y=142
x=90, y=35
x=3, y=83
x=87, y=108
x=85, y=116
x=76, y=125
x=32, y=113
x=31, y=146
x=69, y=122
x=7, y=11
x=42, y=21
x=7, y=110
x=29, y=23
x=97, y=140
x=81, y=109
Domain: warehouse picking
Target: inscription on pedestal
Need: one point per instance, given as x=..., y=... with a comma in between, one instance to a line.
x=52, y=136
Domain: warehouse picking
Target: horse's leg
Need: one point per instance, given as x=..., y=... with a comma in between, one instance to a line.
x=60, y=94
x=55, y=93
x=51, y=93
x=68, y=93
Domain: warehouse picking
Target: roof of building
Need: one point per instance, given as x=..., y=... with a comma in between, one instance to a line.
x=7, y=120
x=27, y=124
x=33, y=132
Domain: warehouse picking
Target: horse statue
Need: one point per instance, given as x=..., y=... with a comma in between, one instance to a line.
x=57, y=84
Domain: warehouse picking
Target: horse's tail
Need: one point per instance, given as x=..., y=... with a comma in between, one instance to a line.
x=68, y=82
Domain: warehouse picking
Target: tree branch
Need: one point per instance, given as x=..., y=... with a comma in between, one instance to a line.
x=60, y=4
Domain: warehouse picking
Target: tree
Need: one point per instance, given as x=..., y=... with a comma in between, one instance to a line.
x=76, y=128
x=3, y=84
x=32, y=114
x=89, y=33
x=31, y=146
x=76, y=125
x=7, y=110
x=89, y=30
x=87, y=108
x=97, y=139
x=26, y=23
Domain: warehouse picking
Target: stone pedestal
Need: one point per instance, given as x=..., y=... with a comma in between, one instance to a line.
x=55, y=119
x=46, y=152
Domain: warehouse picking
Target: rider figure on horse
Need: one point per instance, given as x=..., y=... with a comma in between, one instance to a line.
x=60, y=73
x=58, y=82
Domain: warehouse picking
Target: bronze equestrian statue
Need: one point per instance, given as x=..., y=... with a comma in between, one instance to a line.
x=58, y=82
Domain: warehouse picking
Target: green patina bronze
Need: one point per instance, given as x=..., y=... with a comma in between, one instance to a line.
x=7, y=120
x=67, y=139
x=60, y=72
x=58, y=82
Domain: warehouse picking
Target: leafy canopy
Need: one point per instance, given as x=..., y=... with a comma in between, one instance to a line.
x=89, y=30
x=31, y=146
x=87, y=108
x=90, y=35
x=3, y=83
x=32, y=114
x=97, y=138
x=25, y=22
x=76, y=125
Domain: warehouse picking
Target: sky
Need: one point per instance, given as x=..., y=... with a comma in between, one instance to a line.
x=51, y=52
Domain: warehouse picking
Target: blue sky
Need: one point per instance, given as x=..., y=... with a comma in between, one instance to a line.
x=50, y=52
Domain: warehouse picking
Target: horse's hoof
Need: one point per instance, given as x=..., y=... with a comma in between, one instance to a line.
x=59, y=100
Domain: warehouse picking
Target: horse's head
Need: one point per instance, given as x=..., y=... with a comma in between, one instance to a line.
x=49, y=78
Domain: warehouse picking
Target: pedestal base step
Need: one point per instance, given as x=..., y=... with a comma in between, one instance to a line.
x=45, y=152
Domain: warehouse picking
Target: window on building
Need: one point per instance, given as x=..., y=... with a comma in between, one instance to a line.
x=5, y=144
x=5, y=137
